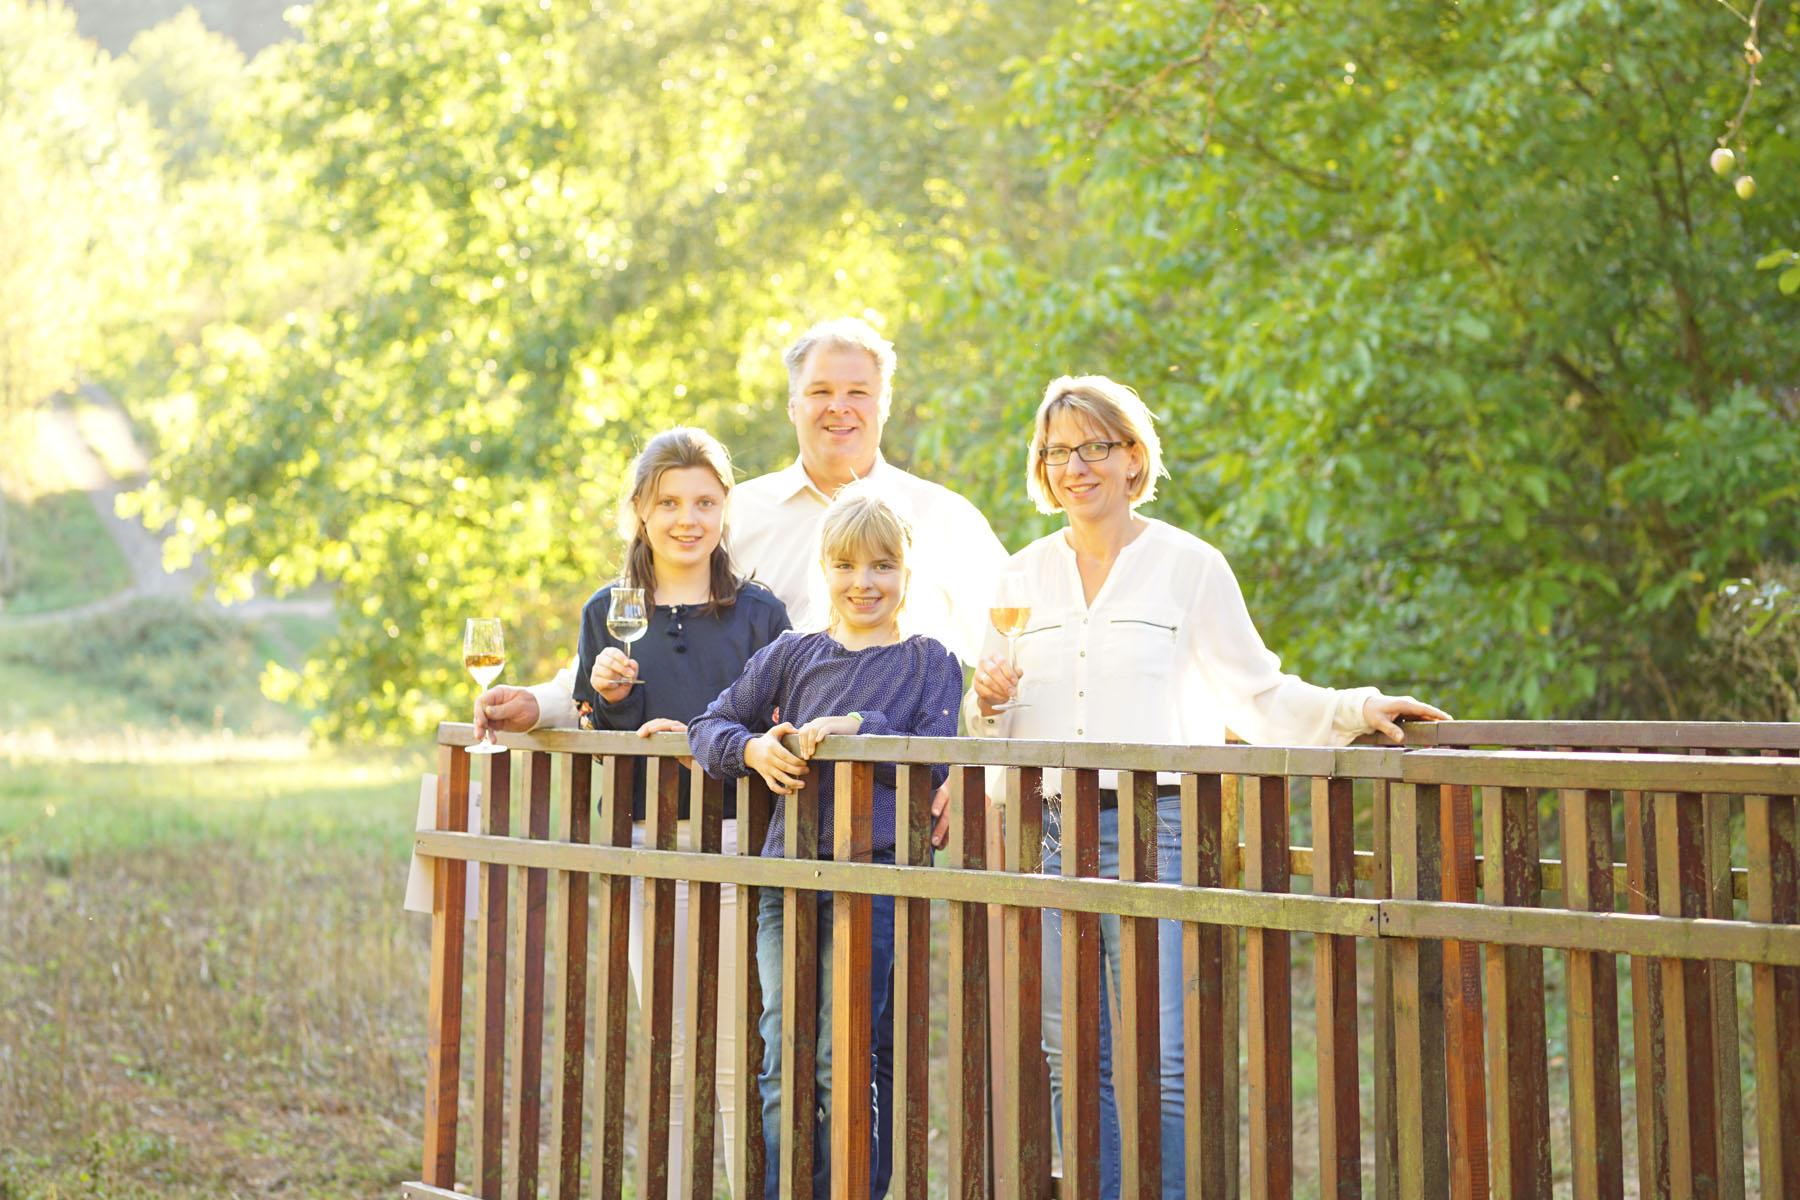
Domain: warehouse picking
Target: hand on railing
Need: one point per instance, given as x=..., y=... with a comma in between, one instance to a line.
x=782, y=769
x=1383, y=712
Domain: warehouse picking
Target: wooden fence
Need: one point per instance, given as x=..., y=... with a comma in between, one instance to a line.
x=1460, y=1076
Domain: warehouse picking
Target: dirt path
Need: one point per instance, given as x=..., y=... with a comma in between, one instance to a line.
x=141, y=548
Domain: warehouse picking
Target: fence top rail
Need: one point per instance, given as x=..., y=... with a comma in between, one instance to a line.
x=1607, y=735
x=1489, y=768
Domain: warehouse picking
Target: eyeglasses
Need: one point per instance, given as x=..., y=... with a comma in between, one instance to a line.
x=1056, y=456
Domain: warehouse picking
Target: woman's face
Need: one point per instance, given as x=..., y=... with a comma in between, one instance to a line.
x=685, y=517
x=1090, y=491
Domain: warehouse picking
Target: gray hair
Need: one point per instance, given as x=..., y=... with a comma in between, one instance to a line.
x=844, y=333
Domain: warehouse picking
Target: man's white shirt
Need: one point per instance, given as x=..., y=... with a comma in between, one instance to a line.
x=772, y=529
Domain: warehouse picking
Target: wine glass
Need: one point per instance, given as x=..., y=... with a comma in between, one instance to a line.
x=628, y=619
x=1010, y=613
x=484, y=654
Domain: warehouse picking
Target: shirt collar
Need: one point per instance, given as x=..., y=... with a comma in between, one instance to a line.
x=795, y=480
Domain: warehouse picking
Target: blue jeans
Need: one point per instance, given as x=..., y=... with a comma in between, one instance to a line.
x=1169, y=987
x=769, y=924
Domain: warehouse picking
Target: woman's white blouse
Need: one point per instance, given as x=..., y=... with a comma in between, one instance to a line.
x=1166, y=654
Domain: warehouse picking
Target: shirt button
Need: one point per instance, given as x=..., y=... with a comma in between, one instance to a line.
x=1084, y=654
x=1079, y=732
x=1081, y=693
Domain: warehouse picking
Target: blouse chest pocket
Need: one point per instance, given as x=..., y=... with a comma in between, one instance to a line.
x=1140, y=640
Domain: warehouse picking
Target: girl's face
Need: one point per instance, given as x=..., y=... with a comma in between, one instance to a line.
x=685, y=517
x=1090, y=491
x=866, y=591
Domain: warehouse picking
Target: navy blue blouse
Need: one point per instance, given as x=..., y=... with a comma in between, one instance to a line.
x=687, y=657
x=913, y=687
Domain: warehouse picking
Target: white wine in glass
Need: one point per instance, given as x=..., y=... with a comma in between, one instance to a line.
x=628, y=618
x=484, y=654
x=1009, y=615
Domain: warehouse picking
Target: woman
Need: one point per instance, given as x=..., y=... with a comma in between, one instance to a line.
x=1138, y=633
x=705, y=624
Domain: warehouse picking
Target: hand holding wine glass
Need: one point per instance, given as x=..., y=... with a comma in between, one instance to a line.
x=627, y=619
x=1010, y=614
x=484, y=654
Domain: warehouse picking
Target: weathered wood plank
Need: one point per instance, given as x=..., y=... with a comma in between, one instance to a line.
x=1023, y=1134
x=1081, y=992
x=1422, y=1162
x=1770, y=828
x=1268, y=960
x=1465, y=1084
x=443, y=1021
x=912, y=989
x=569, y=951
x=1716, y=854
x=1520, y=1080
x=612, y=981
x=700, y=990
x=1690, y=1060
x=799, y=998
x=968, y=992
x=656, y=983
x=754, y=807
x=1649, y=1049
x=1211, y=1118
x=1334, y=975
x=490, y=985
x=1645, y=772
x=852, y=831
x=525, y=1006
x=1137, y=1050
x=1387, y=1125
x=1597, y=1158
x=1600, y=735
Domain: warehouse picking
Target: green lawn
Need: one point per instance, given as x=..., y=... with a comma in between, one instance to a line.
x=62, y=553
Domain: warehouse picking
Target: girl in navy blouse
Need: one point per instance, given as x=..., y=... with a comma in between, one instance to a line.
x=858, y=676
x=705, y=624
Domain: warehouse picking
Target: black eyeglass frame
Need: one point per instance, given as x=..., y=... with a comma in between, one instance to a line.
x=1044, y=454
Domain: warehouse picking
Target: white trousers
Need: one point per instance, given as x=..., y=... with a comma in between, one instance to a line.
x=686, y=836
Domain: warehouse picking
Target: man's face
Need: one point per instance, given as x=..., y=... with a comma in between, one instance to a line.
x=836, y=410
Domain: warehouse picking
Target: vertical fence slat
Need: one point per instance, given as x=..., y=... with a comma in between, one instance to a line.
x=968, y=991
x=662, y=798
x=1081, y=992
x=1597, y=1157
x=443, y=1054
x=490, y=985
x=1723, y=978
x=1210, y=1122
x=1231, y=832
x=1334, y=976
x=525, y=1008
x=1690, y=1060
x=1422, y=1166
x=1516, y=1035
x=706, y=810
x=852, y=829
x=1269, y=995
x=612, y=982
x=754, y=806
x=1137, y=1050
x=1770, y=826
x=912, y=988
x=569, y=950
x=1643, y=889
x=1465, y=1079
x=799, y=998
x=1024, y=1148
x=1387, y=1125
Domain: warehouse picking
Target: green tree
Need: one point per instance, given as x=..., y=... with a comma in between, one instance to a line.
x=1458, y=343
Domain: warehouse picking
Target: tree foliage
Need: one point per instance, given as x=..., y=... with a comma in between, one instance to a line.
x=1457, y=340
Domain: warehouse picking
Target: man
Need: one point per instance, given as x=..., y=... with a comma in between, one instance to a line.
x=840, y=390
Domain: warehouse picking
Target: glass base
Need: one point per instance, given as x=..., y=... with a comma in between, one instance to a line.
x=487, y=748
x=1009, y=705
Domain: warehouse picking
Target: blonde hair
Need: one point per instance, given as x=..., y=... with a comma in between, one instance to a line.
x=1110, y=407
x=860, y=523
x=672, y=450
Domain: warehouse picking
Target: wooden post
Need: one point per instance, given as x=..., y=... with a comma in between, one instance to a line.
x=443, y=1022
x=1642, y=889
x=1464, y=1057
x=912, y=988
x=569, y=950
x=490, y=985
x=1211, y=1118
x=852, y=831
x=525, y=1008
x=800, y=999
x=1770, y=827
x=1422, y=1163
x=1387, y=1124
x=1597, y=1155
x=1687, y=1003
x=1520, y=1079
x=968, y=992
x=1137, y=1050
x=754, y=808
x=1024, y=1150
x=612, y=982
x=1268, y=958
x=706, y=815
x=1334, y=975
x=1082, y=994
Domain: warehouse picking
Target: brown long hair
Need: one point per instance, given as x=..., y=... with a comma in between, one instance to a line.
x=672, y=450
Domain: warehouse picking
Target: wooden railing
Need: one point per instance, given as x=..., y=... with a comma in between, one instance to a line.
x=1461, y=1081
